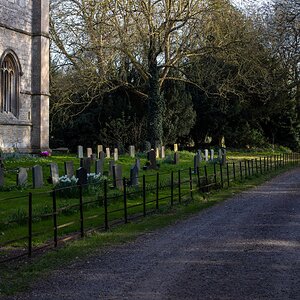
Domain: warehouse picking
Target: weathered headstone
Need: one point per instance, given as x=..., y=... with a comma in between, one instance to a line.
x=157, y=152
x=176, y=158
x=81, y=174
x=69, y=168
x=79, y=151
x=138, y=163
x=199, y=153
x=175, y=147
x=93, y=157
x=224, y=156
x=152, y=159
x=134, y=176
x=37, y=177
x=107, y=150
x=206, y=154
x=99, y=149
x=116, y=154
x=110, y=167
x=117, y=177
x=147, y=146
x=162, y=152
x=101, y=155
x=89, y=152
x=212, y=154
x=85, y=163
x=1, y=176
x=22, y=177
x=131, y=151
x=99, y=163
x=54, y=173
x=220, y=154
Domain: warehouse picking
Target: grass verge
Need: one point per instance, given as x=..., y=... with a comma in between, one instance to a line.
x=18, y=276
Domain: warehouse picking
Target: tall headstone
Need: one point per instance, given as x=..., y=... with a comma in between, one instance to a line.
x=220, y=154
x=175, y=147
x=224, y=158
x=81, y=174
x=1, y=177
x=86, y=164
x=89, y=152
x=107, y=150
x=110, y=167
x=212, y=154
x=132, y=151
x=101, y=155
x=69, y=168
x=176, y=158
x=37, y=177
x=138, y=163
x=206, y=154
x=54, y=173
x=116, y=154
x=117, y=177
x=162, y=153
x=79, y=151
x=134, y=176
x=99, y=149
x=152, y=159
x=99, y=163
x=22, y=177
x=157, y=152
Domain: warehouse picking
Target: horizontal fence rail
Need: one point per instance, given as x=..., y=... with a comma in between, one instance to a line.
x=49, y=218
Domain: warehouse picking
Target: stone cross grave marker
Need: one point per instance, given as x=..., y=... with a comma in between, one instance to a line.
x=1, y=176
x=132, y=151
x=79, y=151
x=162, y=152
x=22, y=176
x=152, y=160
x=116, y=154
x=99, y=163
x=175, y=147
x=69, y=168
x=89, y=152
x=212, y=154
x=85, y=163
x=107, y=150
x=110, y=167
x=134, y=175
x=54, y=173
x=81, y=174
x=37, y=177
x=99, y=149
x=176, y=158
x=206, y=154
x=117, y=177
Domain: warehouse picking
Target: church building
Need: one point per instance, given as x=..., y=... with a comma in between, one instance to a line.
x=24, y=75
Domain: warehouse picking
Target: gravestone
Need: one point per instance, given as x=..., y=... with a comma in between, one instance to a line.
x=89, y=152
x=220, y=154
x=212, y=154
x=199, y=153
x=79, y=151
x=134, y=176
x=107, y=150
x=54, y=173
x=99, y=163
x=176, y=158
x=131, y=151
x=157, y=152
x=175, y=147
x=37, y=177
x=223, y=156
x=116, y=154
x=162, y=152
x=93, y=157
x=152, y=160
x=138, y=163
x=1, y=177
x=85, y=163
x=206, y=154
x=110, y=167
x=101, y=155
x=196, y=163
x=99, y=149
x=117, y=177
x=81, y=174
x=147, y=146
x=69, y=168
x=22, y=177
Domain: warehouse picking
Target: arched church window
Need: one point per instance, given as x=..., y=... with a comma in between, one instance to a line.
x=9, y=80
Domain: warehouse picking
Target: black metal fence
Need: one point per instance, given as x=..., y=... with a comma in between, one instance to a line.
x=46, y=219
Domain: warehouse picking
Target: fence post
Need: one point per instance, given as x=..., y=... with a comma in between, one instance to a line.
x=198, y=178
x=105, y=206
x=256, y=166
x=157, y=190
x=246, y=171
x=191, y=182
x=172, y=186
x=206, y=178
x=125, y=200
x=241, y=170
x=221, y=175
x=249, y=168
x=227, y=170
x=29, y=224
x=252, y=167
x=179, y=184
x=233, y=167
x=215, y=175
x=144, y=195
x=54, y=218
x=81, y=211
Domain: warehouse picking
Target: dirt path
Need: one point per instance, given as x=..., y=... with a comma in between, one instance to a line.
x=248, y=247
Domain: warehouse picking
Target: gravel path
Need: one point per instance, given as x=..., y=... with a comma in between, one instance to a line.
x=247, y=247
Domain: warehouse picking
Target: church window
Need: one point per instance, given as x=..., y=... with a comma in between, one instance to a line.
x=9, y=79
